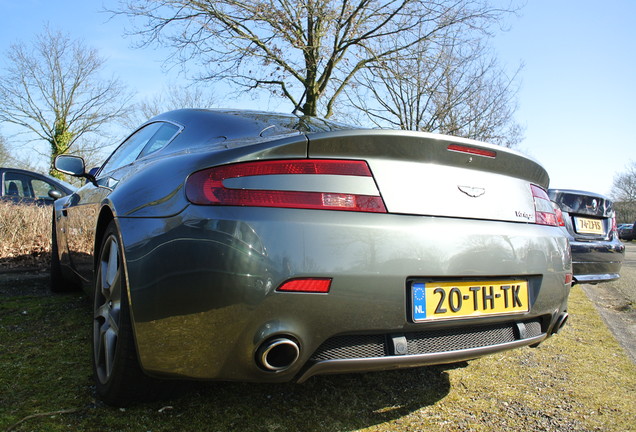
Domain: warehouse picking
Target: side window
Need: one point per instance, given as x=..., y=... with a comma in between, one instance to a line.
x=163, y=136
x=17, y=185
x=144, y=142
x=130, y=149
x=41, y=189
x=21, y=185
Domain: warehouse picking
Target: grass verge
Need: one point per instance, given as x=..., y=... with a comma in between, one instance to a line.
x=579, y=380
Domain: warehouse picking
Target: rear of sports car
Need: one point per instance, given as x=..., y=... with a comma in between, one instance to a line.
x=589, y=221
x=357, y=251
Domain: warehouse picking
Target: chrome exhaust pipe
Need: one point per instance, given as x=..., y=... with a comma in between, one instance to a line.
x=277, y=354
x=560, y=322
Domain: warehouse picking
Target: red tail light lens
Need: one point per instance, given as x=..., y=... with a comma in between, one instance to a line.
x=310, y=285
x=545, y=213
x=559, y=214
x=472, y=150
x=207, y=187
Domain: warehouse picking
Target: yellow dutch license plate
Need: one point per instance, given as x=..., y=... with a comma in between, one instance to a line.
x=452, y=300
x=588, y=226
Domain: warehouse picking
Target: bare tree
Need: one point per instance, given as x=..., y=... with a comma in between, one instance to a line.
x=5, y=157
x=304, y=51
x=624, y=185
x=452, y=85
x=52, y=91
x=9, y=160
x=174, y=97
x=624, y=194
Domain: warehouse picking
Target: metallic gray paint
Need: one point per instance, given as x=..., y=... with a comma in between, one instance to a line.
x=196, y=310
x=202, y=279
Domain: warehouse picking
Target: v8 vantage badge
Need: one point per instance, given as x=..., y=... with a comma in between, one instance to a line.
x=449, y=300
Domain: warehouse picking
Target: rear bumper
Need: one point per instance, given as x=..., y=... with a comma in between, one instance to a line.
x=595, y=262
x=344, y=354
x=203, y=286
x=397, y=362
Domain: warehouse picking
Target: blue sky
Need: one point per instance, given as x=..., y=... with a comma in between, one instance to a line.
x=578, y=87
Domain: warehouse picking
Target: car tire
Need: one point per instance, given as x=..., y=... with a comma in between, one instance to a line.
x=118, y=375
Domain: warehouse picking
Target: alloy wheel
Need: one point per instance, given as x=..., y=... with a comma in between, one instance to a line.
x=107, y=309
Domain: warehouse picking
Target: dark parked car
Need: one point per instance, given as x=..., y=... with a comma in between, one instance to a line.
x=228, y=245
x=626, y=232
x=590, y=223
x=28, y=187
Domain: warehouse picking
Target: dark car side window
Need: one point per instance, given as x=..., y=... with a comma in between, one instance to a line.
x=130, y=149
x=20, y=185
x=162, y=137
x=145, y=141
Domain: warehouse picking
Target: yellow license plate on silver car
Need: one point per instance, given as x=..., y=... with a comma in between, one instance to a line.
x=452, y=300
x=588, y=226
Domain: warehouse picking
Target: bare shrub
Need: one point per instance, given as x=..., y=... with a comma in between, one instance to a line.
x=25, y=235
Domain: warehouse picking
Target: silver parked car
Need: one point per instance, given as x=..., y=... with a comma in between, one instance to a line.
x=229, y=245
x=589, y=221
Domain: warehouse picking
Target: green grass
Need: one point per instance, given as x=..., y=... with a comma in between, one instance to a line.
x=579, y=380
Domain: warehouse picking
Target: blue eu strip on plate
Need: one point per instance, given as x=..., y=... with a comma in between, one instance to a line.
x=419, y=301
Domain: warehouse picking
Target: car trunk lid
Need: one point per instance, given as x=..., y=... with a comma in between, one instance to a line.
x=425, y=174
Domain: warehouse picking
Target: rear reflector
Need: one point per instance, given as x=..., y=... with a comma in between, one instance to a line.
x=207, y=188
x=472, y=150
x=311, y=285
x=545, y=213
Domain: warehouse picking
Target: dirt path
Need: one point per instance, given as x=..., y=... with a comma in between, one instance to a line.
x=616, y=302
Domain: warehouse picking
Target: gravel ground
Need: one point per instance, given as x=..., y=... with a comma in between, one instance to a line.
x=616, y=302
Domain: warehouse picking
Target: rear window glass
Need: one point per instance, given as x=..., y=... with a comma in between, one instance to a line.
x=276, y=124
x=583, y=204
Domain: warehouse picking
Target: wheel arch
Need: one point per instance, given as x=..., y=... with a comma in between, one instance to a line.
x=106, y=215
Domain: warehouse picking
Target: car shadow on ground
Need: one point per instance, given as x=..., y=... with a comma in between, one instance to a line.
x=323, y=403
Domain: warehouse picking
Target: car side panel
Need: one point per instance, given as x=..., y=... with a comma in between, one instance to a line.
x=76, y=223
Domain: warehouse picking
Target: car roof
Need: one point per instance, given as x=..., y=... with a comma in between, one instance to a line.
x=577, y=192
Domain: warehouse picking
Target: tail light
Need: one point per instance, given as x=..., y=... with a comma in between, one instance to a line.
x=307, y=285
x=545, y=213
x=296, y=183
x=472, y=150
x=559, y=214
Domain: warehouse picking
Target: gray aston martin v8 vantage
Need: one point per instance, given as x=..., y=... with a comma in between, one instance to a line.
x=246, y=246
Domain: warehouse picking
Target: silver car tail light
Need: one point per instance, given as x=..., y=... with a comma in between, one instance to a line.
x=326, y=184
x=545, y=214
